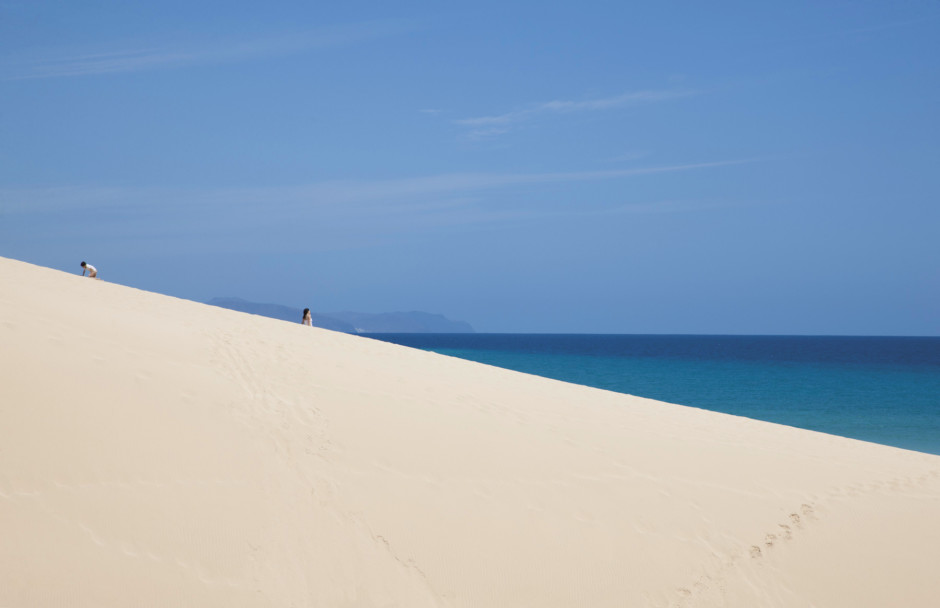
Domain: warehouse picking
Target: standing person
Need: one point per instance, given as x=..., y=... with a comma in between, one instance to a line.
x=92, y=271
x=307, y=320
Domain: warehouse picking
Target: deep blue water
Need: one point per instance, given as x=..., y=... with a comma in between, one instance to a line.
x=880, y=389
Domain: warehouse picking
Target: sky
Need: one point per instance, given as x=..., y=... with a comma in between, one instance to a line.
x=572, y=167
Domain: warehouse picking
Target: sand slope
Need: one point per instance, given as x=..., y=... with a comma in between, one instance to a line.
x=159, y=452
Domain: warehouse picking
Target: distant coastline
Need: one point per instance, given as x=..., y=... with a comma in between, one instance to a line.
x=414, y=322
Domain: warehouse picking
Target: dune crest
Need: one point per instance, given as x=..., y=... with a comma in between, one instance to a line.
x=156, y=452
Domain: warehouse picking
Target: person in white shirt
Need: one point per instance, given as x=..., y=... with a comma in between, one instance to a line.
x=92, y=271
x=307, y=320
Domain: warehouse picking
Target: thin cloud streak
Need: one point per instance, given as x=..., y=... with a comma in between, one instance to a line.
x=323, y=195
x=132, y=59
x=498, y=124
x=342, y=194
x=465, y=216
x=325, y=216
x=852, y=36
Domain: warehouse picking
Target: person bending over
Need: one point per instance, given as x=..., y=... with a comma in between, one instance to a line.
x=92, y=271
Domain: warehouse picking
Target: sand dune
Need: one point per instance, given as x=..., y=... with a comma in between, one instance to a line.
x=160, y=452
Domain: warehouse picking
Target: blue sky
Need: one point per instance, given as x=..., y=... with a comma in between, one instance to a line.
x=524, y=166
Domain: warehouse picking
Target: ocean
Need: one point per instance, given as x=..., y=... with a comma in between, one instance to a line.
x=880, y=389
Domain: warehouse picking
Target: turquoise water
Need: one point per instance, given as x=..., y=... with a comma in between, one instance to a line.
x=885, y=390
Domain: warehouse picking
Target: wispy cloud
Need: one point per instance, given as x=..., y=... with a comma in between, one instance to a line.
x=856, y=35
x=345, y=193
x=333, y=215
x=321, y=195
x=483, y=126
x=136, y=58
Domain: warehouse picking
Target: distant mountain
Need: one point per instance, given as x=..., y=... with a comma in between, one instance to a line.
x=353, y=322
x=285, y=313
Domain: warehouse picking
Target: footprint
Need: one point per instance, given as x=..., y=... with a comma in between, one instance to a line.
x=769, y=540
x=755, y=552
x=787, y=532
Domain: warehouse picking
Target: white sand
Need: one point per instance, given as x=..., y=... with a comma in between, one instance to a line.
x=159, y=452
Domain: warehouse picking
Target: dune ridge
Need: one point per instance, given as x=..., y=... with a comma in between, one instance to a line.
x=159, y=452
